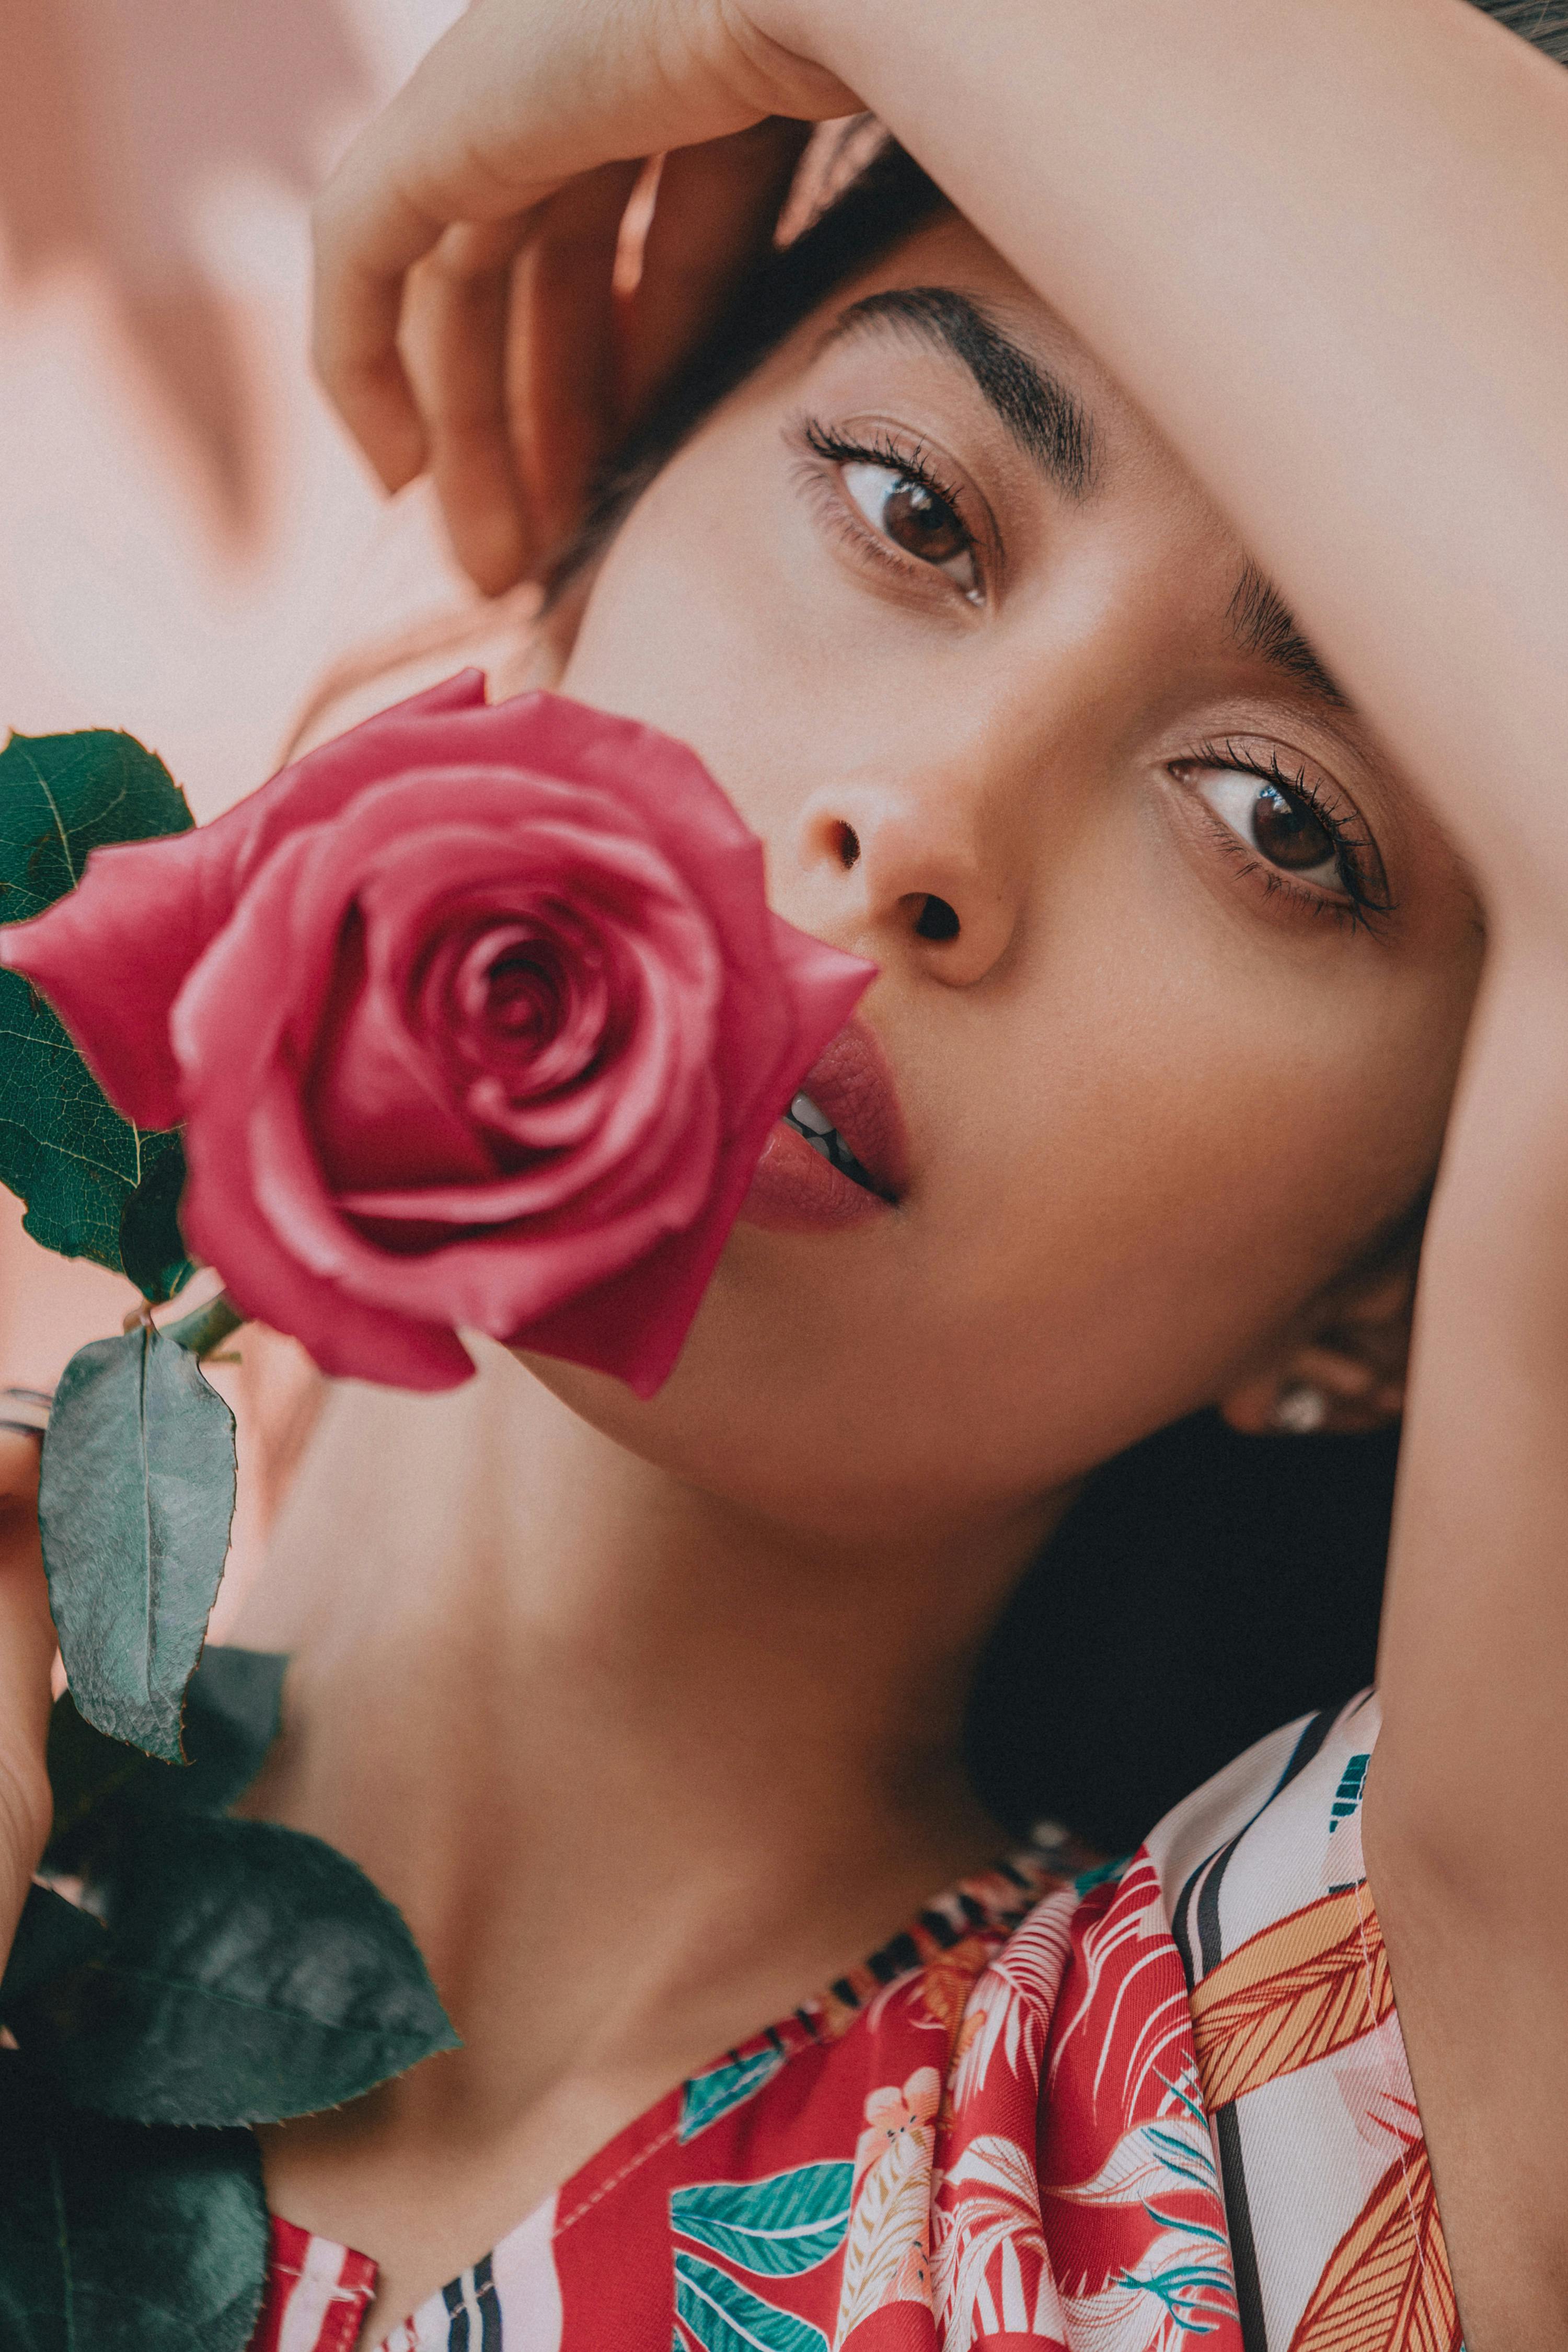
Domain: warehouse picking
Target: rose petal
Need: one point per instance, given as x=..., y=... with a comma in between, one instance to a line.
x=660, y=940
x=112, y=976
x=252, y=1118
x=421, y=733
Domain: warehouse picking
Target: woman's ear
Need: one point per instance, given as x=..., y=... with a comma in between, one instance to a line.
x=1347, y=1375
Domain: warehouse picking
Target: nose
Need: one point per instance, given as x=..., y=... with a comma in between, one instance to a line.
x=904, y=873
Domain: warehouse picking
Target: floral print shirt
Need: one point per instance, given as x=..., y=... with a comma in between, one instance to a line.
x=1154, y=2105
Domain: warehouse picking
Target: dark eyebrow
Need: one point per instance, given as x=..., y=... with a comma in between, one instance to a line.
x=1262, y=623
x=1042, y=415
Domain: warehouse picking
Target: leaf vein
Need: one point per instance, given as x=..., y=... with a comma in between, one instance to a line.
x=163, y=1981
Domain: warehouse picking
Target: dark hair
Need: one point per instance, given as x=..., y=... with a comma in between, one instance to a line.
x=1544, y=23
x=885, y=202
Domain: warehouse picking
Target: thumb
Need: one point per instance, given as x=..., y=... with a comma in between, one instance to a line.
x=26, y=1656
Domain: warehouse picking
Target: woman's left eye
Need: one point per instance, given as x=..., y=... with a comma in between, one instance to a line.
x=1277, y=822
x=915, y=516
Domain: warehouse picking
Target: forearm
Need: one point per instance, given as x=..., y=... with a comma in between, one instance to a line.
x=1326, y=245
x=1468, y=1791
x=1473, y=1764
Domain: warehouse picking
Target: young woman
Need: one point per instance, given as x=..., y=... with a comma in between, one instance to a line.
x=1126, y=592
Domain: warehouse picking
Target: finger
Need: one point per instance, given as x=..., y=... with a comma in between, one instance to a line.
x=454, y=339
x=358, y=304
x=562, y=355
x=717, y=209
x=513, y=102
x=434, y=157
x=26, y=1655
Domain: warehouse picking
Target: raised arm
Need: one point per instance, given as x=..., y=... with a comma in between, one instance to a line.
x=1325, y=244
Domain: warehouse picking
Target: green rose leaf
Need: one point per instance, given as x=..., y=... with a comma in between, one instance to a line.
x=95, y=1185
x=152, y=1246
x=52, y=1935
x=250, y=1973
x=120, y=2239
x=135, y=1501
x=233, y=1707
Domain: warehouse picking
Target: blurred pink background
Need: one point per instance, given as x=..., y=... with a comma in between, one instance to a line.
x=187, y=537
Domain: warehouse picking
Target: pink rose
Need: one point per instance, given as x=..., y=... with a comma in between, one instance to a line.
x=476, y=1015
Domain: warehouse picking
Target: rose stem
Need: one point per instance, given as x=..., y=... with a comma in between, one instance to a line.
x=207, y=1327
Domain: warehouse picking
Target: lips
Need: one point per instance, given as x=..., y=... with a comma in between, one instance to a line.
x=855, y=1164
x=852, y=1086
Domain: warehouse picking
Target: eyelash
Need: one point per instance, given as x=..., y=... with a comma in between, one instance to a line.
x=1361, y=868
x=912, y=464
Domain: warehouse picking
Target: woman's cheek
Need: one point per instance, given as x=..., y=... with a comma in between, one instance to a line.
x=679, y=629
x=719, y=617
x=1182, y=1155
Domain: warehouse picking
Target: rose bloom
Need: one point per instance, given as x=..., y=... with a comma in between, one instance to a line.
x=476, y=1015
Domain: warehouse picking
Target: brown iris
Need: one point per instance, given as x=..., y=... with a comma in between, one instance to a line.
x=1286, y=832
x=923, y=525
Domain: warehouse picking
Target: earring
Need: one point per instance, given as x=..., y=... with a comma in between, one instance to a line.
x=1301, y=1409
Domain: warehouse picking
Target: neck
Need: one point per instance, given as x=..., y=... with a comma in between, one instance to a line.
x=609, y=1668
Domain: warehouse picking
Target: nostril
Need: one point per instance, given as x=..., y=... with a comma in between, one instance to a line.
x=846, y=841
x=936, y=921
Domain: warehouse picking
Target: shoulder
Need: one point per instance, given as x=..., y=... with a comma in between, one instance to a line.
x=1223, y=2125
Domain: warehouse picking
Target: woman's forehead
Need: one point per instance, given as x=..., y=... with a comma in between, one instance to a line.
x=948, y=257
x=944, y=298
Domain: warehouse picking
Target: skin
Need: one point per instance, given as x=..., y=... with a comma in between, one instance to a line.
x=805, y=1534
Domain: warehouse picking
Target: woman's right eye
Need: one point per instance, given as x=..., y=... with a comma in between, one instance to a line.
x=915, y=516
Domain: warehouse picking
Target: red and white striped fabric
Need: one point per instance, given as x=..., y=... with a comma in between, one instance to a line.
x=317, y=2295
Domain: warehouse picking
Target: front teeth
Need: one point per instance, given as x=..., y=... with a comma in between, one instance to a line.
x=825, y=1140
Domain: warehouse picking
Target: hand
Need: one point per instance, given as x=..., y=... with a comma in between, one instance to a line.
x=27, y=1655
x=466, y=316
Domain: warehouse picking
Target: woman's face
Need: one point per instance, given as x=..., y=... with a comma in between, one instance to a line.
x=928, y=589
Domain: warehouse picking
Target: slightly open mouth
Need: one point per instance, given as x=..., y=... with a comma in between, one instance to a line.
x=825, y=1140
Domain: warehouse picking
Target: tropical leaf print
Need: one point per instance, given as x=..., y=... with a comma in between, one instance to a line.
x=708, y=2096
x=946, y=1982
x=1387, y=2287
x=722, y=2315
x=1123, y=2025
x=1290, y=1994
x=989, y=2266
x=1172, y=2156
x=885, y=2257
x=1010, y=2008
x=774, y=2228
x=1180, y=2290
